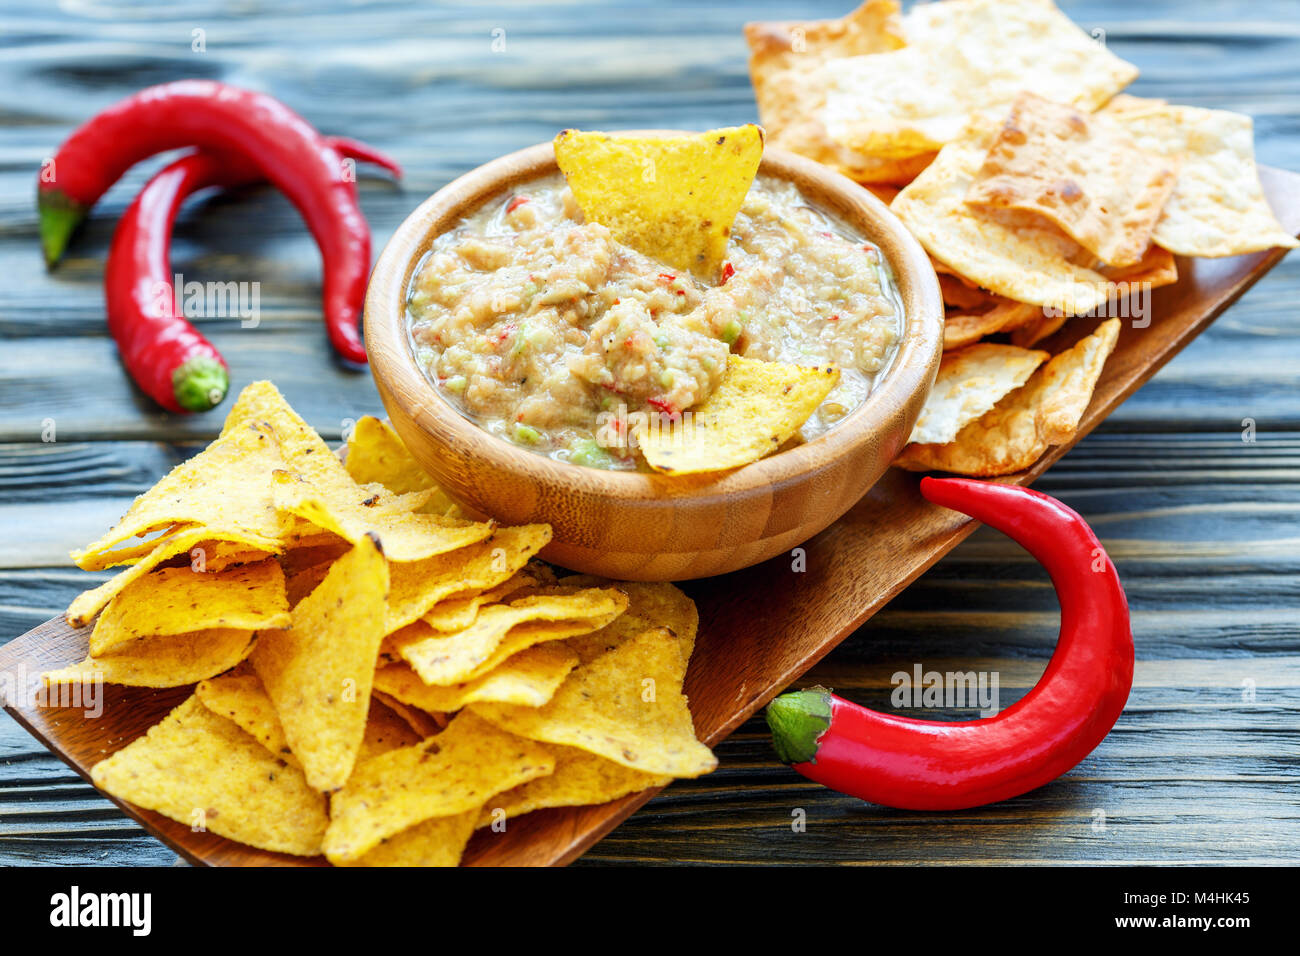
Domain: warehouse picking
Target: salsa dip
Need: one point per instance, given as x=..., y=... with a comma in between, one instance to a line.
x=544, y=330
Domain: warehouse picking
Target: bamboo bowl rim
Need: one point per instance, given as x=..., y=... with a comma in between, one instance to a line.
x=394, y=366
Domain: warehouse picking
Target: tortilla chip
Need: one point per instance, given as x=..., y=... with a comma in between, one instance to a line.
x=302, y=583
x=671, y=197
x=89, y=603
x=223, y=488
x=352, y=512
x=755, y=408
x=503, y=630
x=1014, y=254
x=180, y=601
x=969, y=383
x=783, y=67
x=386, y=730
x=319, y=671
x=1217, y=207
x=529, y=679
x=376, y=455
x=421, y=723
x=417, y=586
x=651, y=604
x=961, y=330
x=455, y=772
x=1046, y=410
x=1082, y=173
x=964, y=58
x=580, y=778
x=172, y=661
x=602, y=708
x=198, y=768
x=437, y=842
x=457, y=613
x=240, y=698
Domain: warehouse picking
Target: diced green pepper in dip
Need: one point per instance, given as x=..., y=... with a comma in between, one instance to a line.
x=546, y=332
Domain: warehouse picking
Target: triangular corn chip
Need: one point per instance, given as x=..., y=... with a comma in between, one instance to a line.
x=319, y=671
x=626, y=706
x=529, y=678
x=376, y=455
x=199, y=769
x=671, y=197
x=651, y=604
x=755, y=408
x=171, y=661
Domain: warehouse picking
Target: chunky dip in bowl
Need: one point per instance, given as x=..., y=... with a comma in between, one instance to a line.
x=503, y=335
x=545, y=331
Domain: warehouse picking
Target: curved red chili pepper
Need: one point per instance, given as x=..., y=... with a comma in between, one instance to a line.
x=933, y=765
x=288, y=151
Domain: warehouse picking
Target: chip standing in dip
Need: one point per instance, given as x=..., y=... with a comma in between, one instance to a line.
x=545, y=330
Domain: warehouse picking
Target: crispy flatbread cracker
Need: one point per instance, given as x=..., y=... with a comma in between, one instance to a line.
x=1014, y=254
x=502, y=630
x=580, y=778
x=755, y=408
x=1217, y=207
x=199, y=769
x=172, y=661
x=671, y=197
x=319, y=672
x=963, y=58
x=1082, y=173
x=963, y=329
x=1046, y=410
x=529, y=679
x=626, y=706
x=970, y=382
x=455, y=772
x=180, y=601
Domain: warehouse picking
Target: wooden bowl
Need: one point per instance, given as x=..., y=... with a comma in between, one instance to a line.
x=648, y=527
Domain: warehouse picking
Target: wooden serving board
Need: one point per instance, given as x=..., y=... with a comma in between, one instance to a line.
x=759, y=629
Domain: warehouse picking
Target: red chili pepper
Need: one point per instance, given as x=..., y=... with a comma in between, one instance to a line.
x=307, y=168
x=933, y=765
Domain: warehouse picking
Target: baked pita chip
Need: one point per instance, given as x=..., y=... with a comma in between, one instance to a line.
x=1082, y=173
x=970, y=382
x=963, y=329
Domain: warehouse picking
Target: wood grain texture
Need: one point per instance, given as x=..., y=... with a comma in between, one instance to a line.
x=649, y=527
x=1204, y=527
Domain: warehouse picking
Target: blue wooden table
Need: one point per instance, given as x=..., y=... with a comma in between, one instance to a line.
x=1203, y=525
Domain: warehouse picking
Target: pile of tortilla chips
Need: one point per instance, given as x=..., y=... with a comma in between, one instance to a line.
x=674, y=198
x=377, y=677
x=996, y=131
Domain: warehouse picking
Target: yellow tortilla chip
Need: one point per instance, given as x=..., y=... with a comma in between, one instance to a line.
x=421, y=723
x=756, y=407
x=529, y=679
x=626, y=706
x=171, y=661
x=1217, y=207
x=376, y=455
x=353, y=512
x=1014, y=254
x=651, y=604
x=319, y=671
x=455, y=772
x=417, y=586
x=1082, y=173
x=223, y=488
x=963, y=58
x=89, y=603
x=502, y=630
x=437, y=842
x=457, y=613
x=386, y=730
x=969, y=383
x=580, y=778
x=179, y=601
x=671, y=197
x=1046, y=410
x=240, y=698
x=199, y=769
x=301, y=583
